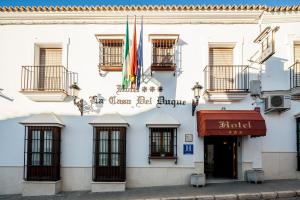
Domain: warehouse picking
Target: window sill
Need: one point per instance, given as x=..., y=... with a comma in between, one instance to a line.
x=163, y=67
x=162, y=158
x=110, y=68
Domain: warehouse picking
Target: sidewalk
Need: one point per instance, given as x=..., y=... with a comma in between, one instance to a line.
x=234, y=190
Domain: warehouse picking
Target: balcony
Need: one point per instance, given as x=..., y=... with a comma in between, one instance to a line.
x=295, y=80
x=226, y=82
x=47, y=83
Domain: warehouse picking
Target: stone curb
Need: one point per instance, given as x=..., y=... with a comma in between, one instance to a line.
x=286, y=194
x=226, y=197
x=240, y=196
x=268, y=195
x=249, y=196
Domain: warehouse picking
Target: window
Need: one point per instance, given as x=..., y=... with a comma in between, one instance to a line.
x=111, y=54
x=221, y=68
x=109, y=154
x=298, y=143
x=50, y=69
x=163, y=143
x=42, y=153
x=163, y=55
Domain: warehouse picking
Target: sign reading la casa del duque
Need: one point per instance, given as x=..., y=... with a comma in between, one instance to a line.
x=140, y=98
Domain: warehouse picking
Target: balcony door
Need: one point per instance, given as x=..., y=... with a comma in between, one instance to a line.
x=221, y=70
x=50, y=69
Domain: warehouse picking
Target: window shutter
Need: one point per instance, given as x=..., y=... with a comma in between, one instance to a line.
x=51, y=57
x=50, y=77
x=220, y=56
x=221, y=72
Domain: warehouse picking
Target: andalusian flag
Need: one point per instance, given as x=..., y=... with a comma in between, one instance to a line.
x=133, y=63
x=126, y=58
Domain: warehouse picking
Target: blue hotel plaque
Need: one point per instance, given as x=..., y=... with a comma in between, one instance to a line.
x=188, y=149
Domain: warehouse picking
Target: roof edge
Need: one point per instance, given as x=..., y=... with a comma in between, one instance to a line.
x=150, y=8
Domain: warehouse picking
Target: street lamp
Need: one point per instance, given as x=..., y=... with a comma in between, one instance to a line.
x=77, y=101
x=197, y=91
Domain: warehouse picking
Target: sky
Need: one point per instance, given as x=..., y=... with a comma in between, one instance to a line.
x=144, y=2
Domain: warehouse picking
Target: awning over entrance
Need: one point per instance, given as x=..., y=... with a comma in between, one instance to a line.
x=230, y=123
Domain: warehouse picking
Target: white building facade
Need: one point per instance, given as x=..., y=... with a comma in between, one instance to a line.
x=245, y=57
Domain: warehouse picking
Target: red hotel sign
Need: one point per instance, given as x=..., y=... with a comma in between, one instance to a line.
x=230, y=123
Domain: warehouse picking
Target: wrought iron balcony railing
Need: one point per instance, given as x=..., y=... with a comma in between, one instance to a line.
x=226, y=78
x=47, y=78
x=295, y=75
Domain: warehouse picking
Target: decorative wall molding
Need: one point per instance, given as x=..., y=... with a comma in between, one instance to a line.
x=113, y=17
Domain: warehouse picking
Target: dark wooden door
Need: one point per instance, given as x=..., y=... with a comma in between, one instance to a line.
x=223, y=162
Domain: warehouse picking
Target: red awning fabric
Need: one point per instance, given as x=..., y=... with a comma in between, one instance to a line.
x=230, y=123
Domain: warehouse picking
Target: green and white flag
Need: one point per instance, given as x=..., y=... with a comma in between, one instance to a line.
x=126, y=59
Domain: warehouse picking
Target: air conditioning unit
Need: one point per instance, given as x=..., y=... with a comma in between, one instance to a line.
x=277, y=103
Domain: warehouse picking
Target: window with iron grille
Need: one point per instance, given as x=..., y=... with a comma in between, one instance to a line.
x=163, y=142
x=109, y=154
x=298, y=143
x=111, y=54
x=42, y=153
x=163, y=54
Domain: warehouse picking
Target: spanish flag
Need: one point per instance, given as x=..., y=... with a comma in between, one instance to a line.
x=133, y=63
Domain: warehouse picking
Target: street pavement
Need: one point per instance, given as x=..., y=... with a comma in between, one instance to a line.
x=277, y=189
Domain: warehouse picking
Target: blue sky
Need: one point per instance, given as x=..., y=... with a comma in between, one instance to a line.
x=142, y=2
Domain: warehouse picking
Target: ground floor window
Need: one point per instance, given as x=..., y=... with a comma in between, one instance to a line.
x=109, y=154
x=42, y=153
x=298, y=144
x=163, y=143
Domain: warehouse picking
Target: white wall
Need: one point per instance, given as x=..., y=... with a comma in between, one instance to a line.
x=17, y=49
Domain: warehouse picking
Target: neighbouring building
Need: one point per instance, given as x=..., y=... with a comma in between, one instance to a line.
x=219, y=95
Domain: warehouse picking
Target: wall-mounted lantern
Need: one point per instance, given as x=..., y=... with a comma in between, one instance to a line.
x=197, y=91
x=77, y=101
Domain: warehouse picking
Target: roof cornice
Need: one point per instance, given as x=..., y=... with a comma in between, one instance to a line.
x=162, y=14
x=151, y=8
x=115, y=17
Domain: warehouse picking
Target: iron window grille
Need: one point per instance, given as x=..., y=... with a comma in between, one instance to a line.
x=109, y=150
x=42, y=153
x=163, y=55
x=163, y=143
x=111, y=54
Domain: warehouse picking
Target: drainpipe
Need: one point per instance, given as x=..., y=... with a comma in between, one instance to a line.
x=68, y=46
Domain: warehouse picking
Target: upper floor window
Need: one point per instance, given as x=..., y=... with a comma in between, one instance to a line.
x=42, y=155
x=163, y=52
x=295, y=70
x=110, y=52
x=297, y=52
x=50, y=57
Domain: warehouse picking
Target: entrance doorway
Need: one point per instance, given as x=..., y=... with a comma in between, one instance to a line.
x=220, y=157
